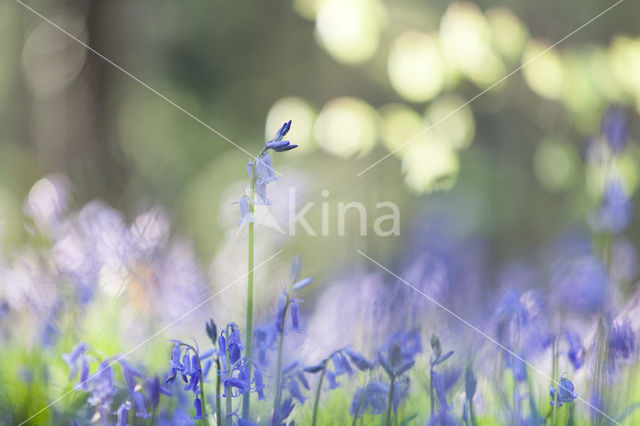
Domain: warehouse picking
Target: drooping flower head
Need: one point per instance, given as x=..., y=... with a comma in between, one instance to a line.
x=398, y=354
x=340, y=362
x=261, y=173
x=563, y=394
x=193, y=367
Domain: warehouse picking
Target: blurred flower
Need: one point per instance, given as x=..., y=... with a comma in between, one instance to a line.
x=438, y=384
x=369, y=398
x=398, y=354
x=564, y=394
x=155, y=388
x=122, y=413
x=74, y=357
x=245, y=214
x=442, y=417
x=615, y=210
x=576, y=352
x=102, y=389
x=522, y=321
x=614, y=128
x=579, y=283
x=622, y=342
x=518, y=368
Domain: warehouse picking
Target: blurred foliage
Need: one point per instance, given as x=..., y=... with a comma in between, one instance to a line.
x=359, y=78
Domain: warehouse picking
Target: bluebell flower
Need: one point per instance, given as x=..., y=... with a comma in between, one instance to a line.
x=614, y=128
x=518, y=368
x=84, y=375
x=198, y=406
x=234, y=366
x=245, y=213
x=243, y=422
x=295, y=322
x=331, y=379
x=301, y=284
x=564, y=394
x=285, y=409
x=129, y=374
x=369, y=398
x=264, y=339
x=175, y=364
x=279, y=145
x=259, y=383
x=122, y=413
x=341, y=364
x=522, y=321
x=74, y=358
x=155, y=389
x=621, y=339
x=212, y=331
x=576, y=352
x=357, y=359
x=140, y=406
x=186, y=365
x=102, y=389
x=440, y=387
x=261, y=172
x=616, y=208
x=283, y=130
x=442, y=417
x=400, y=392
x=397, y=355
x=437, y=357
x=579, y=283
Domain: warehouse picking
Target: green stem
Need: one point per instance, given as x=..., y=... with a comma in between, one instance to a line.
x=472, y=414
x=218, y=407
x=317, y=399
x=278, y=398
x=357, y=413
x=246, y=398
x=431, y=390
x=227, y=388
x=390, y=401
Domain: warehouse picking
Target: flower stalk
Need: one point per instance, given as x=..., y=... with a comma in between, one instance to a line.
x=278, y=398
x=246, y=398
x=316, y=401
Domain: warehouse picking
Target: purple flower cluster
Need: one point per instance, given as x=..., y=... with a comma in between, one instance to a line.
x=142, y=392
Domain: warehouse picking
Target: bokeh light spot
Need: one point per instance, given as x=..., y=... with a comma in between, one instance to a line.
x=346, y=126
x=415, y=66
x=458, y=127
x=543, y=72
x=430, y=165
x=399, y=124
x=508, y=32
x=350, y=29
x=466, y=44
x=556, y=165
